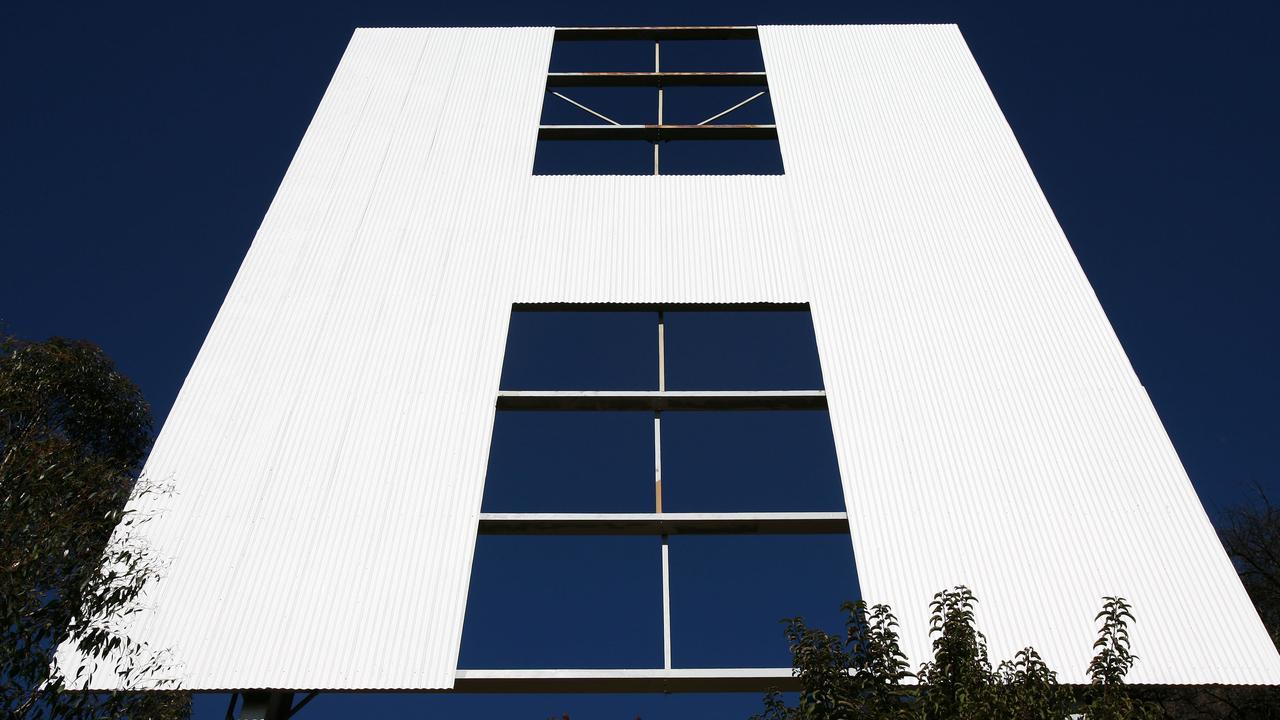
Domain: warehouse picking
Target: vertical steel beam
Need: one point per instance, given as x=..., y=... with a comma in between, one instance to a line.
x=657, y=461
x=662, y=352
x=657, y=414
x=666, y=603
x=657, y=464
x=266, y=705
x=657, y=68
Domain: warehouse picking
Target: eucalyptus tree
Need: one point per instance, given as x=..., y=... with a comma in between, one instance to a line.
x=73, y=434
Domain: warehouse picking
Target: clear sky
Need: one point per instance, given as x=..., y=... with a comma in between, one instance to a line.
x=143, y=142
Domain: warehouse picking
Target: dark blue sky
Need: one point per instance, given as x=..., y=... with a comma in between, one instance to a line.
x=144, y=141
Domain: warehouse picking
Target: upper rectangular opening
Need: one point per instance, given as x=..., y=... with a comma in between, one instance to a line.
x=754, y=346
x=725, y=349
x=681, y=91
x=581, y=350
x=618, y=56
x=713, y=55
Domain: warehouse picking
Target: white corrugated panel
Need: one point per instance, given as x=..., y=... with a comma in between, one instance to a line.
x=328, y=448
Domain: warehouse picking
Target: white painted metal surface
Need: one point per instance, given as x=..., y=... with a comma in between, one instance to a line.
x=328, y=447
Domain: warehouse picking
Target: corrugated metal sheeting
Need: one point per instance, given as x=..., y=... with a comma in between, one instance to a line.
x=328, y=448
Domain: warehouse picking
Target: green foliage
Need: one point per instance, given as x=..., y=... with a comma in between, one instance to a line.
x=1027, y=689
x=857, y=676
x=865, y=675
x=1112, y=660
x=73, y=434
x=879, y=665
x=958, y=682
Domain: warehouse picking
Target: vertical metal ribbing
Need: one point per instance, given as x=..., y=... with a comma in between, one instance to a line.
x=657, y=477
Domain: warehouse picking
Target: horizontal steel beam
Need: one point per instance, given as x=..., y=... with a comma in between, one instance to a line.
x=610, y=681
x=654, y=79
x=661, y=32
x=663, y=523
x=657, y=132
x=655, y=307
x=662, y=400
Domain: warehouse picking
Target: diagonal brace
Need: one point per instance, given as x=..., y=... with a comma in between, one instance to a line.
x=577, y=104
x=735, y=107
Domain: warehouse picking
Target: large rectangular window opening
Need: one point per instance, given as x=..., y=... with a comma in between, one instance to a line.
x=626, y=516
x=657, y=101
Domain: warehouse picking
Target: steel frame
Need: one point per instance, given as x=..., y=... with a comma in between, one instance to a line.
x=660, y=131
x=660, y=523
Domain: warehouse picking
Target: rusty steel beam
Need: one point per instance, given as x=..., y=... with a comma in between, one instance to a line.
x=655, y=79
x=664, y=523
x=655, y=307
x=662, y=400
x=612, y=681
x=655, y=133
x=674, y=32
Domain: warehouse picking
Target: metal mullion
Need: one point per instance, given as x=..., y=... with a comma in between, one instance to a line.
x=657, y=68
x=657, y=463
x=662, y=352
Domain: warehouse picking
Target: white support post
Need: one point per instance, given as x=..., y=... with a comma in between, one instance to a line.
x=657, y=461
x=662, y=352
x=666, y=604
x=657, y=466
x=657, y=68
